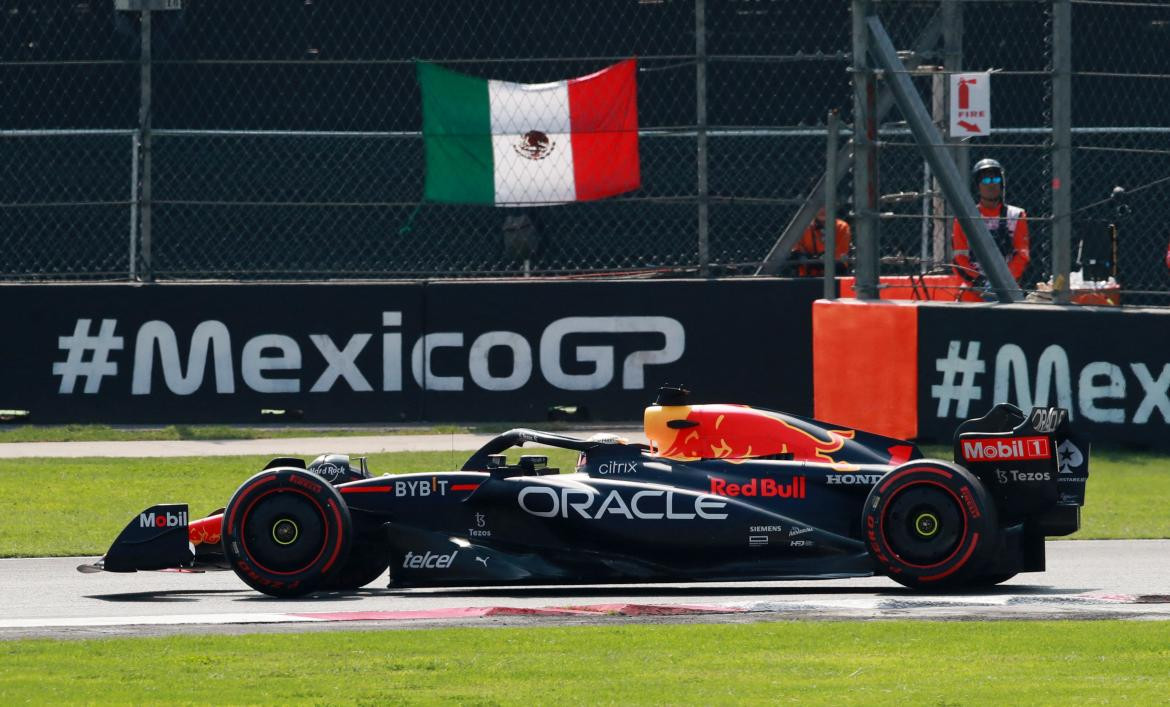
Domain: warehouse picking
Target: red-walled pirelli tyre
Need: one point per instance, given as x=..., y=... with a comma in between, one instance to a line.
x=285, y=530
x=367, y=561
x=990, y=580
x=930, y=525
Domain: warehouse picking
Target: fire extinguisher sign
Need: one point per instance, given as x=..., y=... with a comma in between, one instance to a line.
x=970, y=108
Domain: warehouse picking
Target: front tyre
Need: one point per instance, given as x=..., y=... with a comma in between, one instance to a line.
x=930, y=525
x=368, y=559
x=284, y=531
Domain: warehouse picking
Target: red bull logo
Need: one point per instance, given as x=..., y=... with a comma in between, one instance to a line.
x=690, y=432
x=796, y=488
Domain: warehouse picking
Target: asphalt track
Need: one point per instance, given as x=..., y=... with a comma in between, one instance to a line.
x=1086, y=579
x=47, y=597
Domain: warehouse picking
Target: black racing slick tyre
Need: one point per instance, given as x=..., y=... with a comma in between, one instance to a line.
x=368, y=559
x=990, y=580
x=285, y=531
x=930, y=525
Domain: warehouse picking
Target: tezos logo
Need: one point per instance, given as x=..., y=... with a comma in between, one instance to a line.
x=1012, y=475
x=162, y=520
x=429, y=560
x=1000, y=449
x=478, y=531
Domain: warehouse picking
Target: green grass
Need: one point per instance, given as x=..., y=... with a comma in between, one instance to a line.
x=1126, y=498
x=53, y=507
x=917, y=662
x=105, y=433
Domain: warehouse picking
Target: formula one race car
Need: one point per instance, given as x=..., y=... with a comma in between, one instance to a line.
x=722, y=492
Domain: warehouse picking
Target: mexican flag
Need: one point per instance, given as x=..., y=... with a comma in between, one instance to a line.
x=516, y=144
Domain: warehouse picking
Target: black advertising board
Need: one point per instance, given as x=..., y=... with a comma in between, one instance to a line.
x=205, y=353
x=609, y=345
x=450, y=351
x=1109, y=367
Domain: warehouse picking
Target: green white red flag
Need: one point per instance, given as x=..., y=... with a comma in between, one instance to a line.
x=514, y=144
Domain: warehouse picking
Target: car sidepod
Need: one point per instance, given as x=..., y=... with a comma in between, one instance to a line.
x=633, y=517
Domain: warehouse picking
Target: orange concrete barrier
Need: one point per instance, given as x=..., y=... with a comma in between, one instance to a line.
x=938, y=288
x=865, y=365
x=951, y=288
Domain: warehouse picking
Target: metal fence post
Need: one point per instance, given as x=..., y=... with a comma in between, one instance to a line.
x=952, y=13
x=1061, y=149
x=930, y=232
x=865, y=226
x=133, y=253
x=830, y=228
x=144, y=138
x=701, y=124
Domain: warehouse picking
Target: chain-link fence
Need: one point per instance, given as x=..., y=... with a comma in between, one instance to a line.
x=1012, y=40
x=1118, y=139
x=282, y=139
x=1121, y=137
x=284, y=136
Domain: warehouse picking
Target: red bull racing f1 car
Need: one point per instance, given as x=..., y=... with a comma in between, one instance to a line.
x=722, y=492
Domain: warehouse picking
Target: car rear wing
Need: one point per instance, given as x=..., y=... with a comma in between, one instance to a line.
x=1031, y=464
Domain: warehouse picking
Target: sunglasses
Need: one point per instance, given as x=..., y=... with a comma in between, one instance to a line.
x=991, y=180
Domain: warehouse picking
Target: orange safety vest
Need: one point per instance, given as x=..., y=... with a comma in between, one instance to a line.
x=812, y=245
x=1009, y=230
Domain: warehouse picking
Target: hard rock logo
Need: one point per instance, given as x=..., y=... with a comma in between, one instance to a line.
x=534, y=145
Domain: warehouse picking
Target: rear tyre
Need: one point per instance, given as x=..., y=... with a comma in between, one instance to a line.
x=930, y=525
x=285, y=531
